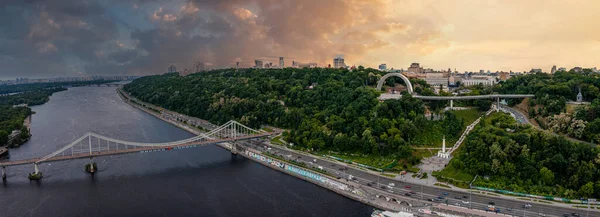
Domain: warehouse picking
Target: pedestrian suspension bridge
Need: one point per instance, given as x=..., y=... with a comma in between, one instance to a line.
x=93, y=145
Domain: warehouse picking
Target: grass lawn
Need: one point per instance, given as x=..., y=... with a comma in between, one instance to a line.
x=267, y=129
x=276, y=141
x=424, y=153
x=450, y=172
x=468, y=115
x=369, y=160
x=441, y=185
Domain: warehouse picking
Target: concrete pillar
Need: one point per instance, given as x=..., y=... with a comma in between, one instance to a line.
x=498, y=104
x=444, y=145
x=451, y=106
x=92, y=169
x=36, y=168
x=3, y=172
x=233, y=148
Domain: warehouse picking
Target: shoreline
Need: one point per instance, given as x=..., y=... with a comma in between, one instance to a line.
x=187, y=128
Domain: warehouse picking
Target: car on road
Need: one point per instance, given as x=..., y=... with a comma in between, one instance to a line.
x=566, y=215
x=392, y=184
x=431, y=199
x=458, y=197
x=575, y=214
x=465, y=196
x=465, y=202
x=492, y=203
x=407, y=194
x=541, y=214
x=408, y=186
x=390, y=191
x=369, y=184
x=441, y=197
x=382, y=187
x=527, y=205
x=445, y=193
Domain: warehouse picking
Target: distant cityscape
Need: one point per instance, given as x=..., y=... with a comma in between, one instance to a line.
x=67, y=79
x=444, y=79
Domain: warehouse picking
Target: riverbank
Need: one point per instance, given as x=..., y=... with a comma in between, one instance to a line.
x=345, y=189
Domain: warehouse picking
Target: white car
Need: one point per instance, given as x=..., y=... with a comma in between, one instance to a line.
x=465, y=202
x=392, y=184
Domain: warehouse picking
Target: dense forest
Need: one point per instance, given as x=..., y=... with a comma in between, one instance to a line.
x=552, y=92
x=21, y=88
x=31, y=98
x=325, y=109
x=11, y=118
x=510, y=156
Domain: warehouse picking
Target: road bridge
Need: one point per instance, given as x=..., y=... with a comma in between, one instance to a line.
x=93, y=145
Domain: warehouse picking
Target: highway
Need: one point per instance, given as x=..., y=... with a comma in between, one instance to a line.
x=522, y=119
x=425, y=192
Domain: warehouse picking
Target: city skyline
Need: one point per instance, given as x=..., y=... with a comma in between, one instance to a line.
x=71, y=38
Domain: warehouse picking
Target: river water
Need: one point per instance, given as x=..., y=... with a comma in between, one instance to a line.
x=205, y=181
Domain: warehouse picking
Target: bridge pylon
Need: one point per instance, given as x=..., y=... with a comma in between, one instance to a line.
x=3, y=172
x=91, y=167
x=36, y=175
x=234, y=148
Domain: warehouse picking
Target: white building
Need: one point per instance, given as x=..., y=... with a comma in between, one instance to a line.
x=281, y=65
x=485, y=80
x=436, y=79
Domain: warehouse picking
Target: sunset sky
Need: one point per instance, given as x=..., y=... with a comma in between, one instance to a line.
x=40, y=38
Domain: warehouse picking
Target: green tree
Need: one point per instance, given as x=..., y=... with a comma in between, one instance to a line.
x=547, y=176
x=587, y=190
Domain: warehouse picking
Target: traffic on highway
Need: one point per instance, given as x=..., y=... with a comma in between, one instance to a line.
x=419, y=193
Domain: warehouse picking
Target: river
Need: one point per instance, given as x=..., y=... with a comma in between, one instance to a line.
x=205, y=181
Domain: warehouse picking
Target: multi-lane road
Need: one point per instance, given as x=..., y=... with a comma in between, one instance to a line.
x=462, y=198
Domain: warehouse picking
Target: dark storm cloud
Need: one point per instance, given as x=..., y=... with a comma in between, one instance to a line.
x=72, y=37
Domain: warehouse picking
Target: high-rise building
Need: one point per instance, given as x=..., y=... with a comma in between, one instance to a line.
x=172, y=69
x=281, y=65
x=415, y=68
x=382, y=67
x=198, y=66
x=258, y=64
x=338, y=62
x=237, y=65
x=553, y=70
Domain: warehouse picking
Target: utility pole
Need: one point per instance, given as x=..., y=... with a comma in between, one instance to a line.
x=470, y=200
x=421, y=192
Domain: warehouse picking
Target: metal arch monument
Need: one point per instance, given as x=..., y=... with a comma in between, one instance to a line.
x=404, y=78
x=450, y=98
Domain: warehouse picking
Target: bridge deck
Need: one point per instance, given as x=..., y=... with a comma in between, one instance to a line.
x=491, y=96
x=132, y=150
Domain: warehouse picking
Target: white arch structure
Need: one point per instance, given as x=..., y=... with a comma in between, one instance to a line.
x=404, y=78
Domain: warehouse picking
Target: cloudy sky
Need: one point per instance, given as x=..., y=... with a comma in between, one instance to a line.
x=43, y=38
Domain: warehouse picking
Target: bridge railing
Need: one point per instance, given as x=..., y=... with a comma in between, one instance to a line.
x=97, y=143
